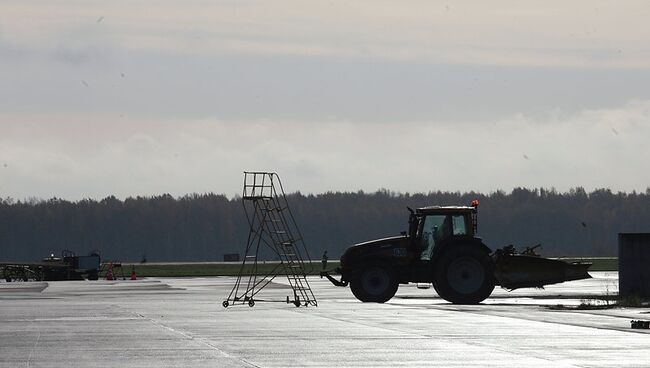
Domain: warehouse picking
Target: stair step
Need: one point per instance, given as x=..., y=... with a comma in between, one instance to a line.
x=256, y=197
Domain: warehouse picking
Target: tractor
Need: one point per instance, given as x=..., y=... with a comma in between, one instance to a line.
x=441, y=247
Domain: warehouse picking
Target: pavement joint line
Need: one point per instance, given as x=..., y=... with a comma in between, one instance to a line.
x=31, y=351
x=425, y=336
x=495, y=314
x=419, y=335
x=201, y=340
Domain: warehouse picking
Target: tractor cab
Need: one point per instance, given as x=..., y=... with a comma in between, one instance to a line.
x=433, y=228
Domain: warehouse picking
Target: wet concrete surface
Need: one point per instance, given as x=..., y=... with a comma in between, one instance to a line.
x=181, y=323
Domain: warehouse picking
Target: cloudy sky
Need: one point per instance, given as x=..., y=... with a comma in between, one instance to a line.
x=149, y=97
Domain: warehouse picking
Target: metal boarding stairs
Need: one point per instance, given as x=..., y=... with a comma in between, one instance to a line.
x=272, y=225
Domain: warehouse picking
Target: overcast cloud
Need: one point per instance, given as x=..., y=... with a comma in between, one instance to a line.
x=150, y=97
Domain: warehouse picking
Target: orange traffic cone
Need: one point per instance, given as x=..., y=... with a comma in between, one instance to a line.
x=109, y=273
x=133, y=276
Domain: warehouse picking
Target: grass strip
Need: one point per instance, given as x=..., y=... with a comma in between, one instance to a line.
x=198, y=269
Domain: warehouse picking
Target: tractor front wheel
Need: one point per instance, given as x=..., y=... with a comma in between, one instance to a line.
x=464, y=275
x=375, y=283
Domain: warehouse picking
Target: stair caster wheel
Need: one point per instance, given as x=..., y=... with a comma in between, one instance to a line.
x=251, y=303
x=225, y=304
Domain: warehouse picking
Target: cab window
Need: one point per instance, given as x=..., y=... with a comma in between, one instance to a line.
x=459, y=224
x=434, y=229
x=431, y=229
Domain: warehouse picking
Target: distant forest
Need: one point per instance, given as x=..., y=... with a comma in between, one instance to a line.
x=203, y=227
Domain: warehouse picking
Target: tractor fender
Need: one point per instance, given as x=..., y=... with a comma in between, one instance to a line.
x=471, y=241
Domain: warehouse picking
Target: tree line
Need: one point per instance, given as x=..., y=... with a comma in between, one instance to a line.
x=204, y=227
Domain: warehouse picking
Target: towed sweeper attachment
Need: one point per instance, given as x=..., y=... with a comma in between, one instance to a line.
x=514, y=270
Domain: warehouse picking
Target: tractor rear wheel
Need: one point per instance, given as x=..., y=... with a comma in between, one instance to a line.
x=464, y=275
x=375, y=283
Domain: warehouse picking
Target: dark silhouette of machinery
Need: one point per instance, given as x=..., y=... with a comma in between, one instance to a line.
x=67, y=267
x=442, y=248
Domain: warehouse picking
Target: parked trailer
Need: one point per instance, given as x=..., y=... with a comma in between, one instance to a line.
x=67, y=267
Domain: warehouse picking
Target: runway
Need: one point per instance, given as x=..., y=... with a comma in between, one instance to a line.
x=180, y=322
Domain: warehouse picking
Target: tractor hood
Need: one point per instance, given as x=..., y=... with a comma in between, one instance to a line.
x=394, y=246
x=380, y=242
